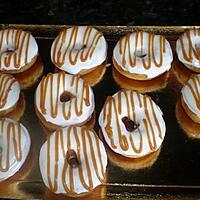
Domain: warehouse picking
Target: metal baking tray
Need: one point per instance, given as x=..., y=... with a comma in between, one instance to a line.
x=174, y=175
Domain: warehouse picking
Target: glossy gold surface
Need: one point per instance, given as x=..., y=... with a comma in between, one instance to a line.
x=175, y=172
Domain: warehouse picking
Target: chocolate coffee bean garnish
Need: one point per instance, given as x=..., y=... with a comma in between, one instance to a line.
x=65, y=96
x=72, y=159
x=129, y=124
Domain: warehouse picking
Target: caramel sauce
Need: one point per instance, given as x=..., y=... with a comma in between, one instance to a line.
x=85, y=51
x=125, y=48
x=20, y=40
x=86, y=180
x=47, y=85
x=6, y=83
x=111, y=110
x=12, y=132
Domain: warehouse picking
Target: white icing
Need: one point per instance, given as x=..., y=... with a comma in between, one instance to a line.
x=195, y=41
x=8, y=38
x=13, y=94
x=153, y=71
x=140, y=116
x=66, y=136
x=59, y=119
x=15, y=164
x=98, y=57
x=188, y=97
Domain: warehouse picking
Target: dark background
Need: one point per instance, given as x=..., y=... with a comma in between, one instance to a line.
x=101, y=12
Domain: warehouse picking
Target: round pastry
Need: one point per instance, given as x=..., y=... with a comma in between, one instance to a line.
x=188, y=49
x=73, y=161
x=14, y=147
x=141, y=57
x=81, y=50
x=132, y=124
x=190, y=98
x=12, y=103
x=62, y=100
x=191, y=128
x=18, y=53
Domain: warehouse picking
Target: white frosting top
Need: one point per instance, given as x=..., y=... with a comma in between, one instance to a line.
x=14, y=147
x=58, y=175
x=191, y=94
x=75, y=111
x=78, y=48
x=17, y=49
x=9, y=92
x=143, y=53
x=188, y=48
x=141, y=109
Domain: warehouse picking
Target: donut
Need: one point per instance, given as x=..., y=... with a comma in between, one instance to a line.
x=188, y=49
x=62, y=100
x=18, y=54
x=190, y=96
x=81, y=50
x=73, y=161
x=12, y=103
x=14, y=147
x=132, y=124
x=142, y=57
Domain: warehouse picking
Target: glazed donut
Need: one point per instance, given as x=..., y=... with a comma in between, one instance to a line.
x=132, y=124
x=63, y=100
x=142, y=56
x=188, y=49
x=79, y=49
x=9, y=93
x=18, y=50
x=190, y=98
x=14, y=147
x=73, y=161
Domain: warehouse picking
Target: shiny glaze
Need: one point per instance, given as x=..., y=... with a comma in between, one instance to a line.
x=78, y=48
x=151, y=128
x=48, y=99
x=125, y=48
x=15, y=48
x=9, y=92
x=142, y=53
x=85, y=144
x=191, y=94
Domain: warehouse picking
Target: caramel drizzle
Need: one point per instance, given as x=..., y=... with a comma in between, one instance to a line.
x=65, y=172
x=6, y=83
x=192, y=52
x=49, y=82
x=194, y=88
x=125, y=48
x=112, y=110
x=12, y=131
x=59, y=56
x=20, y=40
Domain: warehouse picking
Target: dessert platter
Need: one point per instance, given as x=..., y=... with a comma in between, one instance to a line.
x=99, y=112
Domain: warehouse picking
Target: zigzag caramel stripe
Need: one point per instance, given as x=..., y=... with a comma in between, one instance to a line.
x=81, y=141
x=125, y=48
x=6, y=83
x=194, y=84
x=11, y=131
x=83, y=54
x=113, y=108
x=20, y=39
x=47, y=86
x=192, y=51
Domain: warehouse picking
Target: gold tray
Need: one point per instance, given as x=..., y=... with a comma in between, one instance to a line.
x=175, y=174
